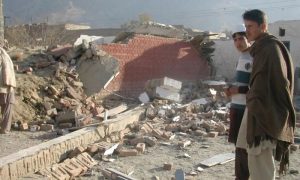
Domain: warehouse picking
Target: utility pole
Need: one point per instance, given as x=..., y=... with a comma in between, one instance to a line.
x=1, y=24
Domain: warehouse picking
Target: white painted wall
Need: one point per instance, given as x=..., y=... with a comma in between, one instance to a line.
x=225, y=58
x=292, y=34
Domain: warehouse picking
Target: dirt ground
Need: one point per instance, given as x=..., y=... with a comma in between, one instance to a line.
x=150, y=164
x=18, y=140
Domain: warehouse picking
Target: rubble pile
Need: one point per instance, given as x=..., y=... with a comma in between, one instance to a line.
x=50, y=92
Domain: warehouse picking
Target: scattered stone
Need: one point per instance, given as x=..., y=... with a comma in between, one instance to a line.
x=23, y=126
x=140, y=147
x=168, y=166
x=128, y=152
x=52, y=112
x=294, y=147
x=53, y=90
x=150, y=141
x=184, y=144
x=200, y=133
x=92, y=149
x=65, y=125
x=212, y=134
x=47, y=127
x=62, y=132
x=144, y=98
x=200, y=169
x=34, y=128
x=155, y=178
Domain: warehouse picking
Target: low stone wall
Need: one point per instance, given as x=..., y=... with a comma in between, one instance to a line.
x=32, y=159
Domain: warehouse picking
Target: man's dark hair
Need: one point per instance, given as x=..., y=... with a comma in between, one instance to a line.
x=255, y=15
x=238, y=33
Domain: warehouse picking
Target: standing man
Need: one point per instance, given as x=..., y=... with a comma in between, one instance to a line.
x=269, y=120
x=7, y=85
x=238, y=99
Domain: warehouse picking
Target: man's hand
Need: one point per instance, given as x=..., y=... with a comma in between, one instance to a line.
x=232, y=91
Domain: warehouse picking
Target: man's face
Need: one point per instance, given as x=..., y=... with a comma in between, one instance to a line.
x=240, y=42
x=253, y=30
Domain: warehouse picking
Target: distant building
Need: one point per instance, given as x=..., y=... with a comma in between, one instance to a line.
x=289, y=33
x=76, y=27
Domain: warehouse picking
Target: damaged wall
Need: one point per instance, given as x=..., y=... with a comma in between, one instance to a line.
x=95, y=74
x=148, y=57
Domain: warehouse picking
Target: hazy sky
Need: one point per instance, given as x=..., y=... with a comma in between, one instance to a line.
x=213, y=15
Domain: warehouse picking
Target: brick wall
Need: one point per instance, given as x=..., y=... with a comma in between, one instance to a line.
x=147, y=57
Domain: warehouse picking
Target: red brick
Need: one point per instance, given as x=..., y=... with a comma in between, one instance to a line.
x=24, y=127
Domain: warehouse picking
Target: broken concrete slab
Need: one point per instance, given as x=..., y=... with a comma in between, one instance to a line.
x=96, y=73
x=168, y=94
x=218, y=159
x=114, y=111
x=144, y=98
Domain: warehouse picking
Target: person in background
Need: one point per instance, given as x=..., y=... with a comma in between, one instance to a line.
x=238, y=99
x=7, y=95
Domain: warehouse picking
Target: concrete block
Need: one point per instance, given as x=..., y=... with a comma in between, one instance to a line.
x=47, y=127
x=144, y=98
x=167, y=94
x=165, y=82
x=140, y=147
x=128, y=152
